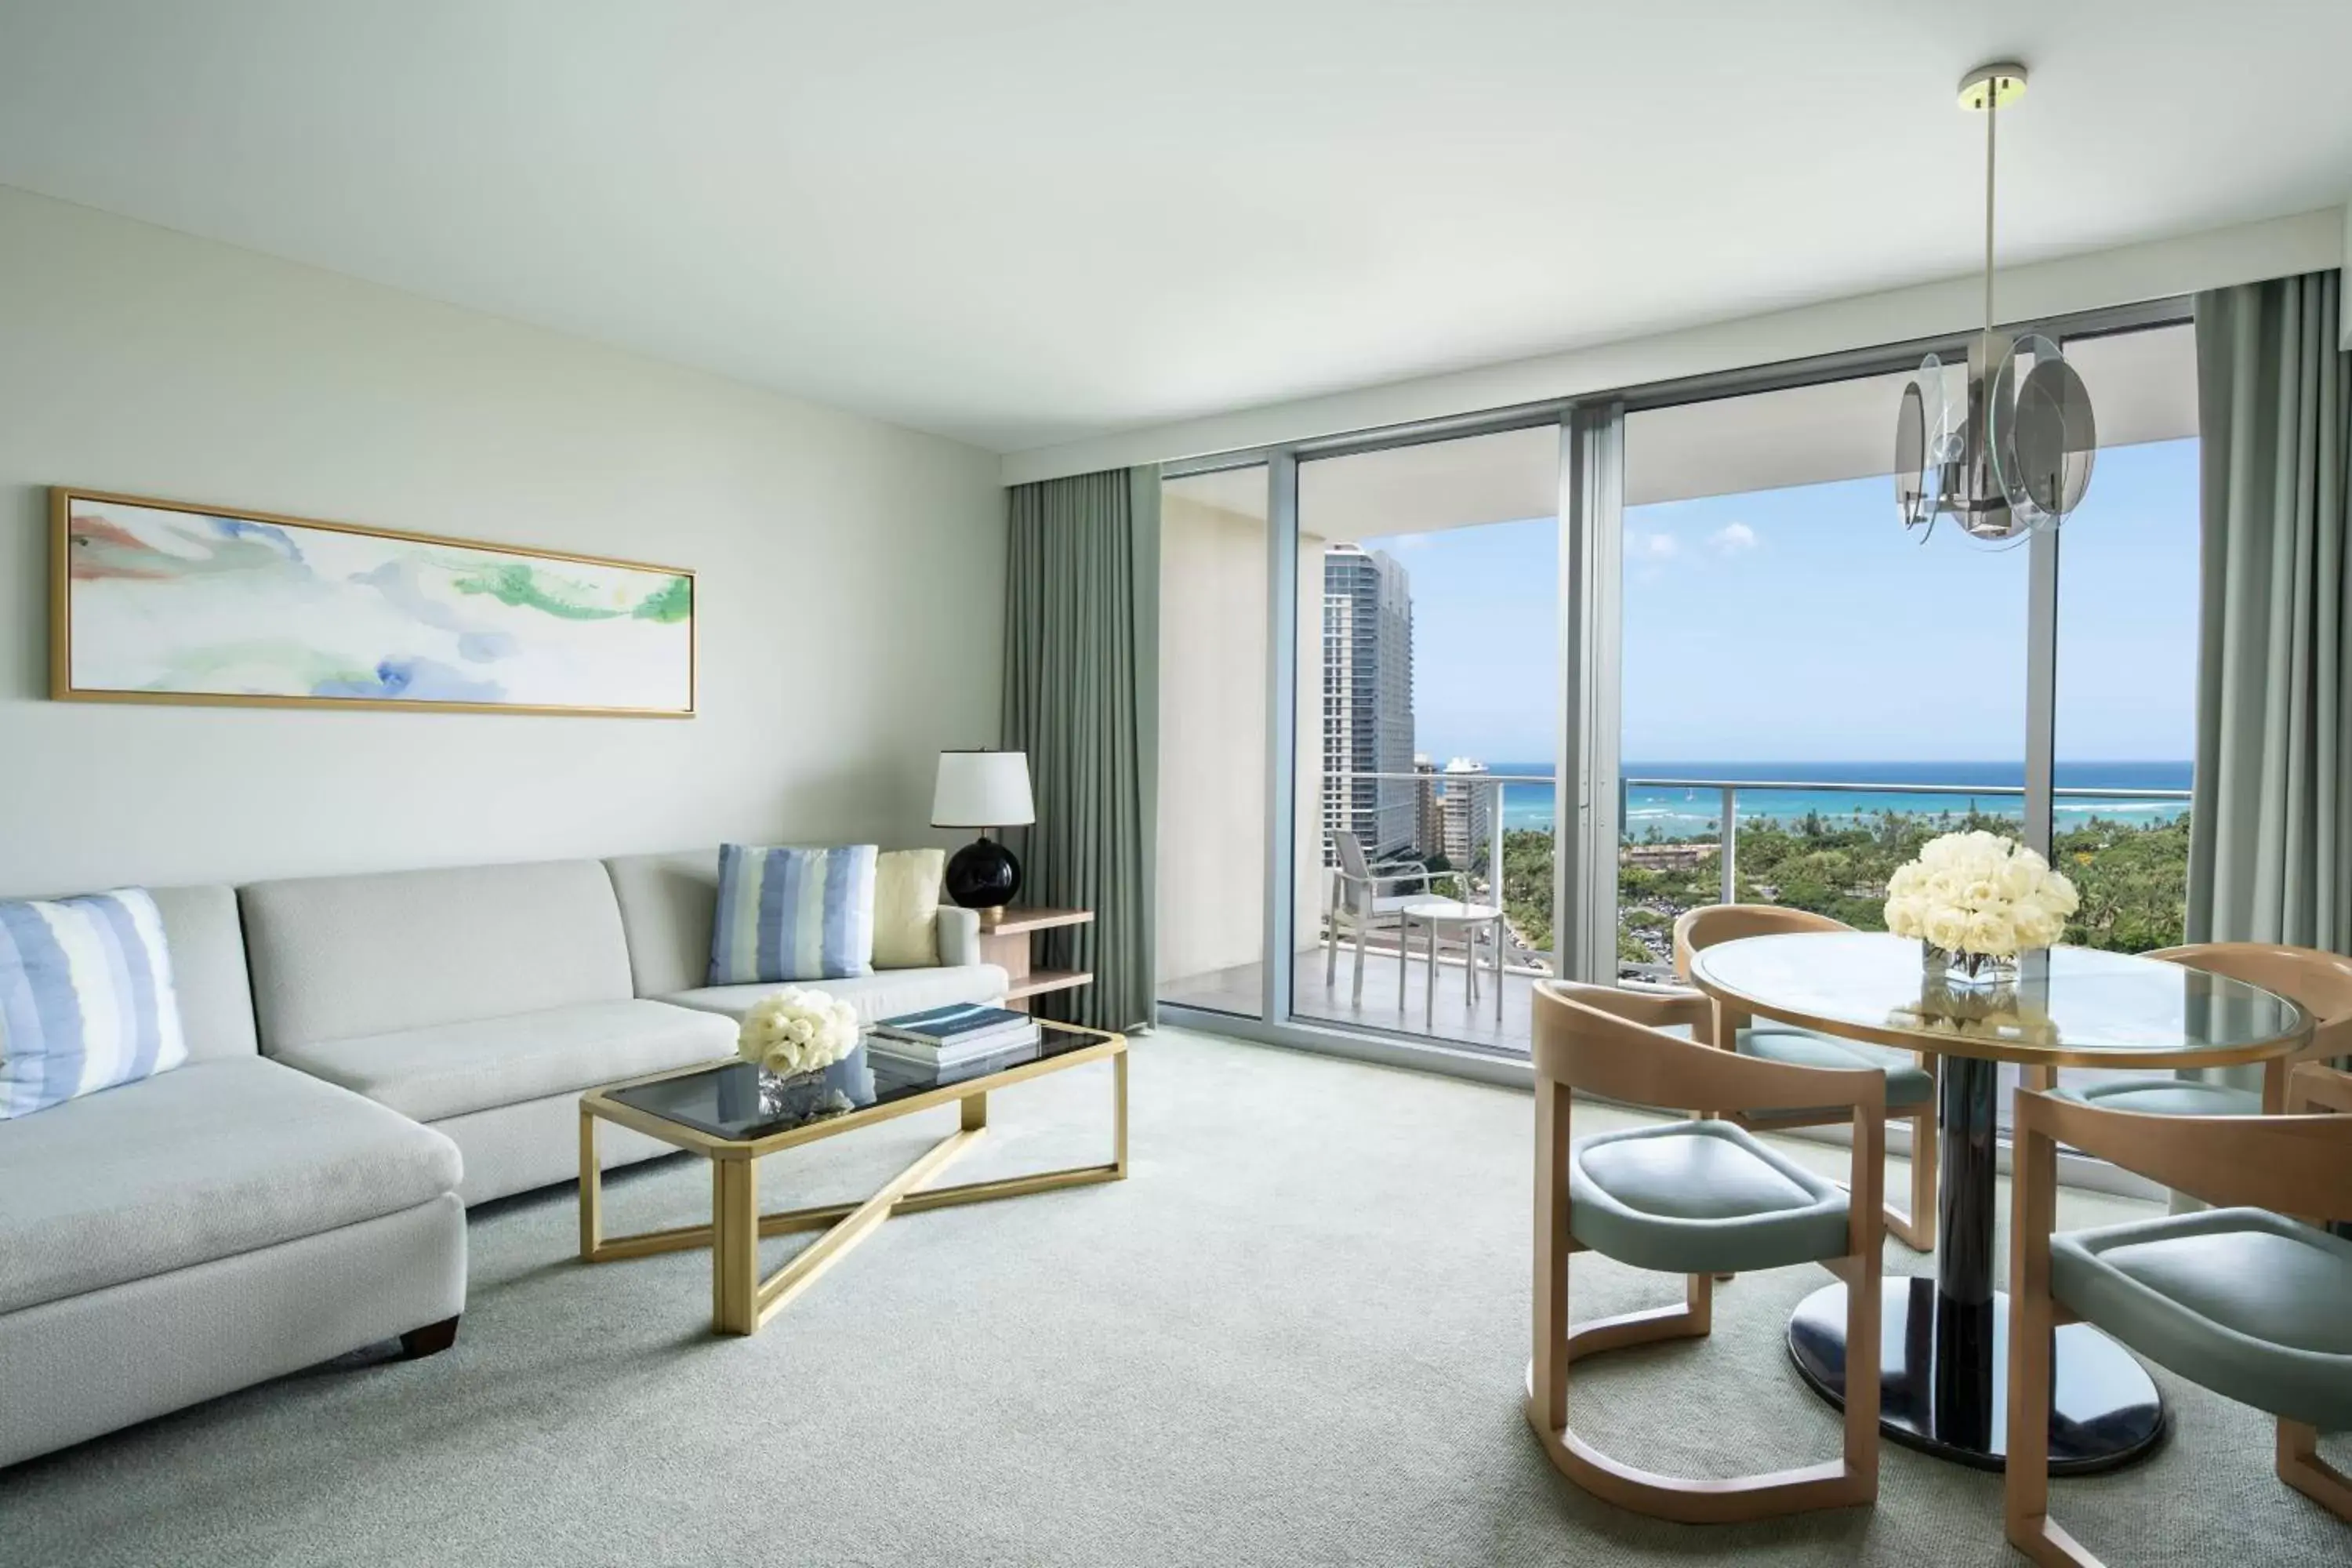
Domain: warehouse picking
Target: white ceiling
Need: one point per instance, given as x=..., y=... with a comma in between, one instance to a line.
x=1028, y=221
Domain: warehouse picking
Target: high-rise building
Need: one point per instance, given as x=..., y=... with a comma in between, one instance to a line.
x=1368, y=700
x=1466, y=811
x=1428, y=808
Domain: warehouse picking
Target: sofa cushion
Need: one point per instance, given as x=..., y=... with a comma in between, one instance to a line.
x=886, y=993
x=791, y=913
x=907, y=908
x=336, y=957
x=665, y=904
x=208, y=968
x=216, y=1159
x=85, y=998
x=451, y=1069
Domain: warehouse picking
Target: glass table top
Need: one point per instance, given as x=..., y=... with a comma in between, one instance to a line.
x=2068, y=1007
x=736, y=1100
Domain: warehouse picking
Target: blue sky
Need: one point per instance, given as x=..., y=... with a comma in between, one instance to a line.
x=1804, y=626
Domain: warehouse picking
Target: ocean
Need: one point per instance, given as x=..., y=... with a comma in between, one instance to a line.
x=1676, y=813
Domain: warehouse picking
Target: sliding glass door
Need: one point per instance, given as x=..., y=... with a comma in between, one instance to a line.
x=1428, y=727
x=1809, y=692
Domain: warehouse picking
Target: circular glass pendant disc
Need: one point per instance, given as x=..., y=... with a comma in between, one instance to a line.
x=2044, y=437
x=1919, y=445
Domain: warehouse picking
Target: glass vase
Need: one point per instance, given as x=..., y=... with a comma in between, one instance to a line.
x=1967, y=971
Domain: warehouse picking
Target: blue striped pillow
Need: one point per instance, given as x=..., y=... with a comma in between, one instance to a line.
x=792, y=914
x=85, y=998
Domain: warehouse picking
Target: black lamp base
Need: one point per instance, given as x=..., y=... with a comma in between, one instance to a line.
x=984, y=875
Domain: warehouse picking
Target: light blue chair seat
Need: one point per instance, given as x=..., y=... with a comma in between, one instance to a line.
x=2168, y=1097
x=1907, y=1083
x=2249, y=1304
x=1700, y=1197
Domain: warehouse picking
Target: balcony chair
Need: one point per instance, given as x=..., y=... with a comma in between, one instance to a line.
x=1695, y=1198
x=2238, y=1298
x=2320, y=982
x=1359, y=902
x=1910, y=1077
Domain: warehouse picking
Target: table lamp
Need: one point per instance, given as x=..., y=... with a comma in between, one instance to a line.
x=986, y=790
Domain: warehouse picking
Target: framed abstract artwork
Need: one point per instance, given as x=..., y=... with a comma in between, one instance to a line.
x=157, y=601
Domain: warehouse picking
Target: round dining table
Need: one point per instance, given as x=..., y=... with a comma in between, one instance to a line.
x=1943, y=1355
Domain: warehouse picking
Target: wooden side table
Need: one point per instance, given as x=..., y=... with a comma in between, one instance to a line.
x=1009, y=942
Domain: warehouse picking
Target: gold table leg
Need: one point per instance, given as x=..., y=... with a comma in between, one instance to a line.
x=734, y=1247
x=1118, y=1117
x=853, y=1227
x=592, y=1191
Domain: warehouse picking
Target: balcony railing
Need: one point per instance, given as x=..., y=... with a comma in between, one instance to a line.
x=1724, y=845
x=1728, y=817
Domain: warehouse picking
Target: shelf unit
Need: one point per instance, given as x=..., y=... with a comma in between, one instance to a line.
x=1009, y=942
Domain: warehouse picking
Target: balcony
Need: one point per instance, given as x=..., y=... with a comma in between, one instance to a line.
x=1820, y=843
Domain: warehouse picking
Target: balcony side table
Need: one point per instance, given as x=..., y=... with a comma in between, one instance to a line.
x=1434, y=915
x=1009, y=942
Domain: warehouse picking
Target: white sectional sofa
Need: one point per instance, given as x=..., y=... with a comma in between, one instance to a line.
x=367, y=1055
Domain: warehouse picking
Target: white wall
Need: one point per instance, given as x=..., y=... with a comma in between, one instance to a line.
x=1213, y=629
x=2155, y=269
x=1212, y=625
x=850, y=573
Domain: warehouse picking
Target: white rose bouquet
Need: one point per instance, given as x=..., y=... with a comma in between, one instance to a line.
x=1979, y=895
x=797, y=1031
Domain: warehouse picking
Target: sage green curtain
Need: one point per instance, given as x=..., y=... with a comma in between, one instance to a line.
x=1082, y=699
x=2269, y=847
x=2270, y=855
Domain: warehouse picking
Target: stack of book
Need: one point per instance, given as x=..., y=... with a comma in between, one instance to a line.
x=947, y=1036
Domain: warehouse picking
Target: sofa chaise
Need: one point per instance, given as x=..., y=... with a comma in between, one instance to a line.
x=223, y=1223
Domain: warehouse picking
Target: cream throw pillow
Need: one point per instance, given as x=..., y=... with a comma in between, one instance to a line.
x=907, y=908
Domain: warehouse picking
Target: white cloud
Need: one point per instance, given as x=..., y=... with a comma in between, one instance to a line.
x=1731, y=539
x=1643, y=545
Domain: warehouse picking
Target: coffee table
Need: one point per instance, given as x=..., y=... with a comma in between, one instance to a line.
x=724, y=1113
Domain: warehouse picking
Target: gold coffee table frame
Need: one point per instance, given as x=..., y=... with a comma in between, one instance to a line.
x=742, y=1302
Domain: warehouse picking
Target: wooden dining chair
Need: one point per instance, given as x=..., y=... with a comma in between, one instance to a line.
x=1910, y=1076
x=2320, y=982
x=1695, y=1198
x=2239, y=1298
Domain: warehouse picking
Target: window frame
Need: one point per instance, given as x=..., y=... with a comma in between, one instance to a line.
x=1587, y=790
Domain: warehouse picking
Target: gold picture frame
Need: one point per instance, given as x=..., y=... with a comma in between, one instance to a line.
x=471, y=615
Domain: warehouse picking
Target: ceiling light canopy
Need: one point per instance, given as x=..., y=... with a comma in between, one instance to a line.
x=2014, y=453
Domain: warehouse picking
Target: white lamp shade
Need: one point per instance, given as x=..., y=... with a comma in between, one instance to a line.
x=982, y=789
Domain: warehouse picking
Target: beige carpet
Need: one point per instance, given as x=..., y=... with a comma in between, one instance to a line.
x=1295, y=1336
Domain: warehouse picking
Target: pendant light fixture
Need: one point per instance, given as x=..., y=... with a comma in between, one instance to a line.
x=2016, y=454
